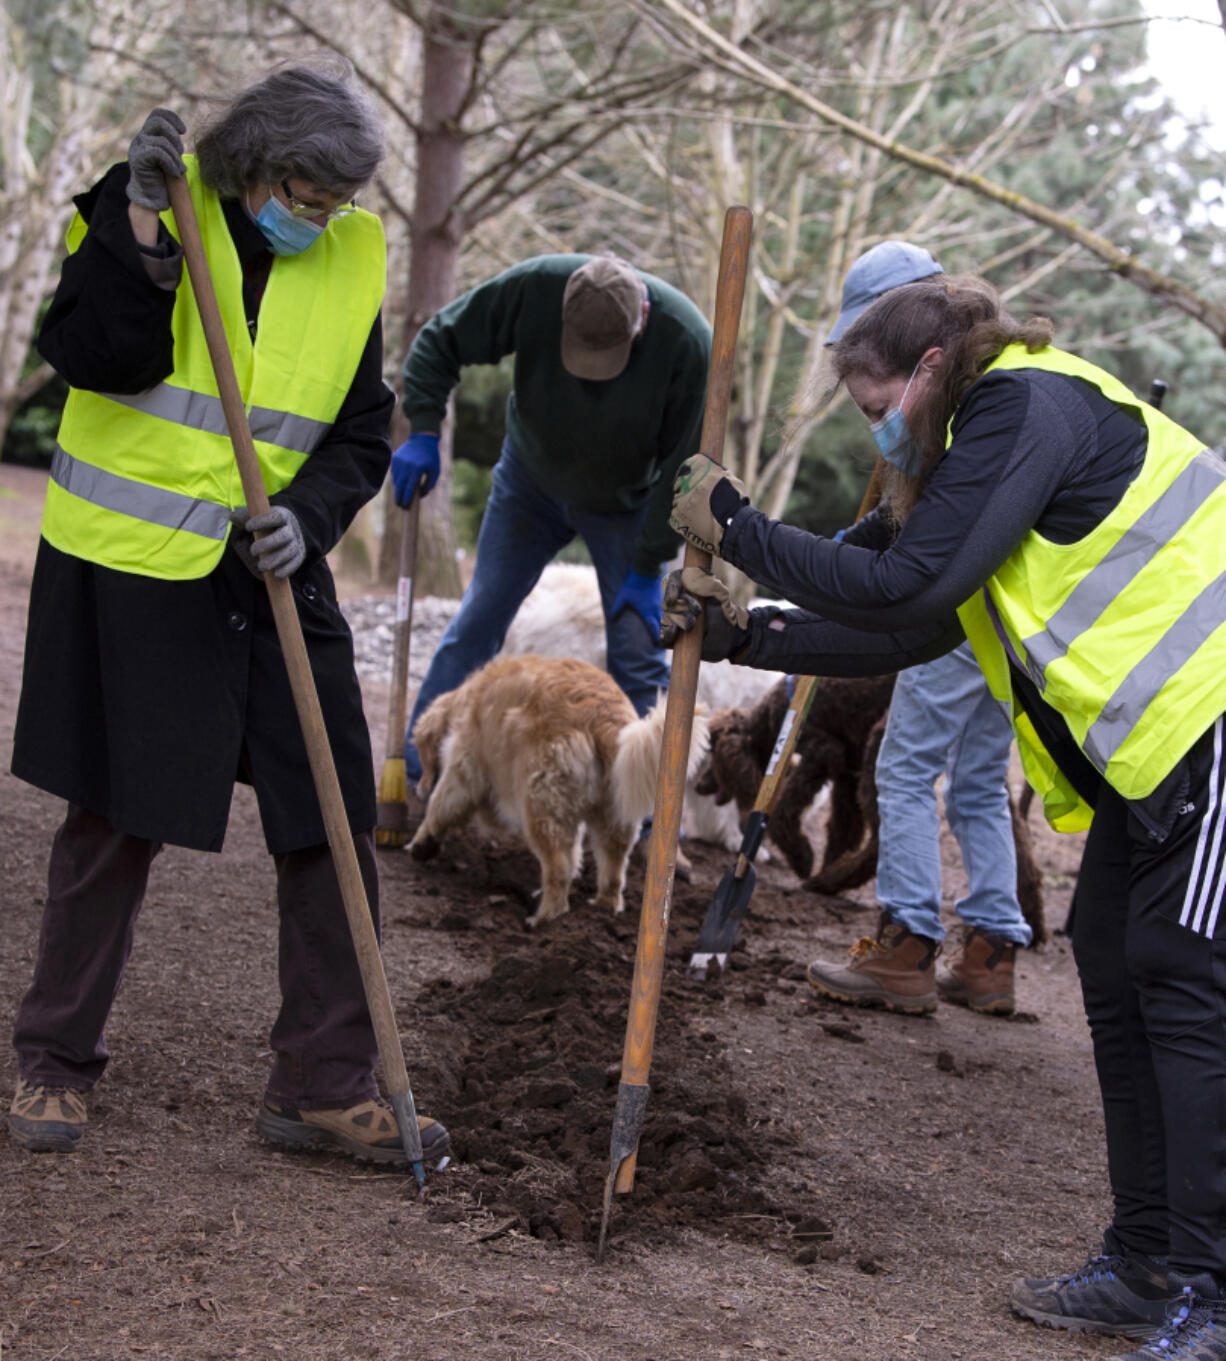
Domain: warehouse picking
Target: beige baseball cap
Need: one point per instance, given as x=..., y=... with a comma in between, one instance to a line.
x=601, y=308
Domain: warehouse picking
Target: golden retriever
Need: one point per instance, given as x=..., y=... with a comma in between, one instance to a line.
x=546, y=746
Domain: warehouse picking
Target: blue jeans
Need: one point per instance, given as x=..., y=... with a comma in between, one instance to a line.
x=523, y=530
x=942, y=719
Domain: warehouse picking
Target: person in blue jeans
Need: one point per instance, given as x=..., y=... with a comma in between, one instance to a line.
x=607, y=399
x=942, y=721
x=523, y=530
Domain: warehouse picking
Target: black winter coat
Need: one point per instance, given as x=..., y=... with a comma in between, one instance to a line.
x=142, y=700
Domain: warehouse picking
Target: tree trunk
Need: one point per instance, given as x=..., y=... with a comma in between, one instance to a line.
x=447, y=68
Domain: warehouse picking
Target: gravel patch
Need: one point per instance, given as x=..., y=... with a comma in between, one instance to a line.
x=373, y=621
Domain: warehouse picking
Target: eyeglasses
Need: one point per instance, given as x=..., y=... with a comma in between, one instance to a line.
x=300, y=209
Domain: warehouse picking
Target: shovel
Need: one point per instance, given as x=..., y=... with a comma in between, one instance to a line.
x=392, y=825
x=306, y=697
x=678, y=721
x=731, y=901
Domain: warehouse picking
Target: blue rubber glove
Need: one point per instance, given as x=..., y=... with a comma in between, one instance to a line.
x=643, y=595
x=416, y=458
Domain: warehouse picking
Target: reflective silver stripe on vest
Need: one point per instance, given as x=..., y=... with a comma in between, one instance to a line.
x=1122, y=712
x=154, y=505
x=198, y=411
x=1136, y=548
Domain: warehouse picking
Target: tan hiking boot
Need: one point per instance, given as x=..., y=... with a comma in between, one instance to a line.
x=47, y=1119
x=367, y=1131
x=980, y=974
x=895, y=971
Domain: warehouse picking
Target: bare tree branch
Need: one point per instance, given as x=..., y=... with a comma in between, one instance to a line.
x=718, y=49
x=363, y=74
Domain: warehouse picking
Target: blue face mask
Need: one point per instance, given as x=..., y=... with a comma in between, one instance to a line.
x=894, y=438
x=285, y=233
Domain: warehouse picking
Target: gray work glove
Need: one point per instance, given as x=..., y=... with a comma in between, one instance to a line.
x=705, y=498
x=281, y=548
x=156, y=152
x=691, y=594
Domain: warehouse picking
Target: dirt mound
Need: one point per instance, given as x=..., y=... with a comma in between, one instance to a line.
x=537, y=1048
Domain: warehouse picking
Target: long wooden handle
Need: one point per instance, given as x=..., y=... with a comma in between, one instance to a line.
x=798, y=708
x=682, y=690
x=302, y=682
x=785, y=743
x=402, y=639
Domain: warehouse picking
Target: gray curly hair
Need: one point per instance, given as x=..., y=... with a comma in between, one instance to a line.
x=299, y=121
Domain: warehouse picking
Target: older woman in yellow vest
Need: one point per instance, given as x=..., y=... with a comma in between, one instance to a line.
x=1077, y=537
x=153, y=678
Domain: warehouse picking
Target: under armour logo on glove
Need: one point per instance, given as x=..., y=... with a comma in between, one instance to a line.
x=705, y=498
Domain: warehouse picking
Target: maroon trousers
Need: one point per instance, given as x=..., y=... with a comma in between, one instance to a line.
x=322, y=1040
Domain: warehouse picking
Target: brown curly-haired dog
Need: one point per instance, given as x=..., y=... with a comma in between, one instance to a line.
x=830, y=750
x=838, y=745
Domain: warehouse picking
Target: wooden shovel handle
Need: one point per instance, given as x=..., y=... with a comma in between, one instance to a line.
x=682, y=690
x=402, y=637
x=802, y=698
x=302, y=681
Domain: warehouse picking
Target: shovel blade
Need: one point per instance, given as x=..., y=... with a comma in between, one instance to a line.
x=723, y=920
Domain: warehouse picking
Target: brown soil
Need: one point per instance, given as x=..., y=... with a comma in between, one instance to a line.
x=813, y=1182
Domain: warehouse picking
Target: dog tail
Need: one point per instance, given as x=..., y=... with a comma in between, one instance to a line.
x=637, y=764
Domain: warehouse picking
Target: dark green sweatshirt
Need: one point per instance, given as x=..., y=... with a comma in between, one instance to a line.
x=598, y=447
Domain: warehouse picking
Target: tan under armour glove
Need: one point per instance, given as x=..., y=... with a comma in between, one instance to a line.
x=705, y=498
x=691, y=594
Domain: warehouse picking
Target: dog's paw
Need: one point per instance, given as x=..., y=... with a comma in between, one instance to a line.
x=424, y=848
x=608, y=904
x=545, y=914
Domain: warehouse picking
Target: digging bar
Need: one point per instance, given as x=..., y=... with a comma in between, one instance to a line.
x=731, y=901
x=392, y=824
x=678, y=722
x=306, y=697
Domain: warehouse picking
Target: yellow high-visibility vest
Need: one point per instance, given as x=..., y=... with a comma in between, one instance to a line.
x=145, y=483
x=1123, y=631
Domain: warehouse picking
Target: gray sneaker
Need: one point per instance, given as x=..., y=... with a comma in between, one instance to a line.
x=1121, y=1294
x=1195, y=1327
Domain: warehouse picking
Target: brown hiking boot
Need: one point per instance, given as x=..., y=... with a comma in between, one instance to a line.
x=47, y=1119
x=895, y=971
x=367, y=1131
x=980, y=974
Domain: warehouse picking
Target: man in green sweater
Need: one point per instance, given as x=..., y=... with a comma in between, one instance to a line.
x=610, y=381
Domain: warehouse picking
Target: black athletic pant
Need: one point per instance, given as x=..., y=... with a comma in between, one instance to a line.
x=1149, y=938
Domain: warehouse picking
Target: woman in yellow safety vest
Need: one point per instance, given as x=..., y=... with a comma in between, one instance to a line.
x=1077, y=537
x=153, y=677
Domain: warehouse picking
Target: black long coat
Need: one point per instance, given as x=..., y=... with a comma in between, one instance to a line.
x=142, y=700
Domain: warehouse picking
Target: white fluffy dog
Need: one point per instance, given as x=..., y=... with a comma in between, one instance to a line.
x=545, y=746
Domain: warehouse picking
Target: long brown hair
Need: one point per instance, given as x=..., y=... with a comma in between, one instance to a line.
x=964, y=316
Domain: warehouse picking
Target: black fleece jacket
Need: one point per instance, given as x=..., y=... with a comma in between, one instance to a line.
x=1030, y=450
